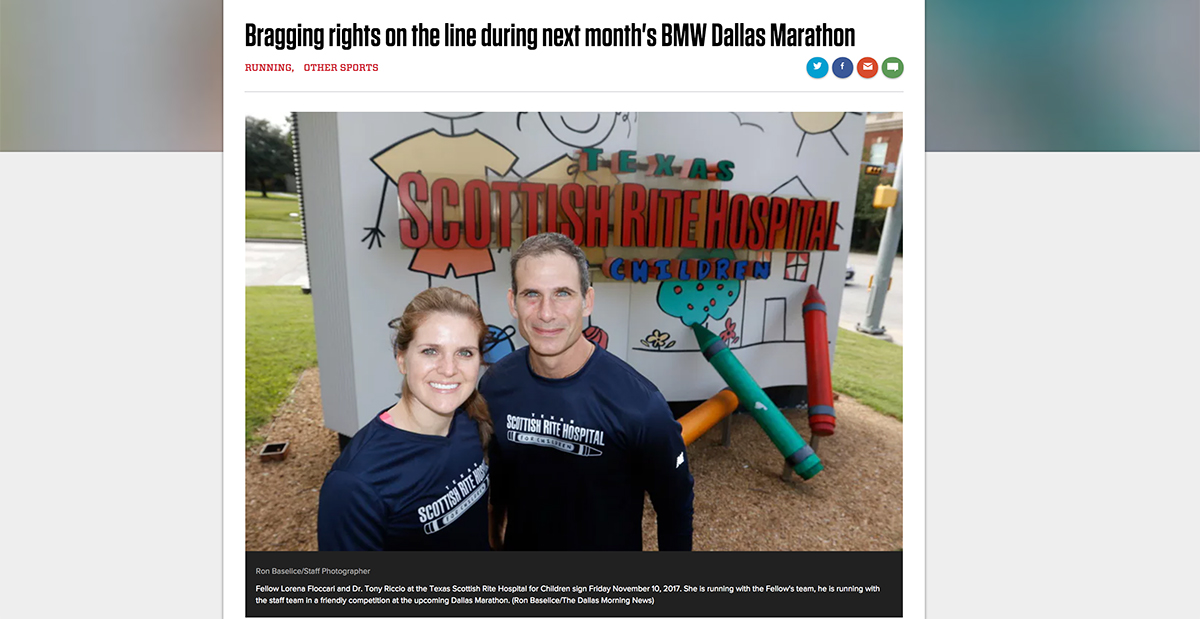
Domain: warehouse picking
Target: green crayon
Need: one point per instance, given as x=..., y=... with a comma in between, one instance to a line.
x=798, y=454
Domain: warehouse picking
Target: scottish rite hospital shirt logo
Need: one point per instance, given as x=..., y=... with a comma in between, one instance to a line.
x=465, y=491
x=560, y=434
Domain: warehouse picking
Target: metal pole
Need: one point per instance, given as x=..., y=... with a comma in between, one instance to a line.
x=892, y=225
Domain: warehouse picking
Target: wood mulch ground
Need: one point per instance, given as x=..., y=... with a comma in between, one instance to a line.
x=281, y=496
x=741, y=501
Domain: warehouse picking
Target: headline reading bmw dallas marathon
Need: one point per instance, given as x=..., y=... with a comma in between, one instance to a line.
x=692, y=34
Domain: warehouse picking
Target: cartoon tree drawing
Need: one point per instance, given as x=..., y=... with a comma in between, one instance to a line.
x=695, y=301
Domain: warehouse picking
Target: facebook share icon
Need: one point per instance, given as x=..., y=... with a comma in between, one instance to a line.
x=817, y=67
x=843, y=67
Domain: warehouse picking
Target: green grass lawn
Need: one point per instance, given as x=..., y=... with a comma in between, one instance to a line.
x=870, y=371
x=280, y=344
x=270, y=217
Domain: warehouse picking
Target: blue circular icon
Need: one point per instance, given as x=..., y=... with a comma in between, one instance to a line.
x=843, y=67
x=817, y=67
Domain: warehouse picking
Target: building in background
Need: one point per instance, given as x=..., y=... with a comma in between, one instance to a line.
x=881, y=143
x=882, y=137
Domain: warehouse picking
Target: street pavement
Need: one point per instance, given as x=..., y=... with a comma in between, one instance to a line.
x=276, y=264
x=854, y=299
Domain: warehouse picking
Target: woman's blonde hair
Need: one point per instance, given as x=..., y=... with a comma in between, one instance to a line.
x=455, y=303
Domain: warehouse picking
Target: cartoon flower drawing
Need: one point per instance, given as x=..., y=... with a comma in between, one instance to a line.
x=729, y=335
x=659, y=340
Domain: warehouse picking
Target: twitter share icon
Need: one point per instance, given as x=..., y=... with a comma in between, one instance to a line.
x=817, y=67
x=843, y=67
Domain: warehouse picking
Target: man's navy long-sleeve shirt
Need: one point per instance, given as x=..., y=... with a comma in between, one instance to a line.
x=573, y=458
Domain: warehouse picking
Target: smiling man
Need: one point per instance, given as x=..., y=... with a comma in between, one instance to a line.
x=581, y=437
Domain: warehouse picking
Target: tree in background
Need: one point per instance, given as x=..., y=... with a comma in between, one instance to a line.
x=268, y=153
x=868, y=220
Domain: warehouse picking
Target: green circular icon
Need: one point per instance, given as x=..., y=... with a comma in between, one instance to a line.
x=892, y=67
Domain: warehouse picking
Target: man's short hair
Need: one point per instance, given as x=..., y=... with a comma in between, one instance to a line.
x=548, y=243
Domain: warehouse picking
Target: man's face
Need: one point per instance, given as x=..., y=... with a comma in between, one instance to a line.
x=548, y=305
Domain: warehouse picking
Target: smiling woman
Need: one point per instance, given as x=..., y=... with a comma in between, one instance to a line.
x=440, y=365
x=415, y=477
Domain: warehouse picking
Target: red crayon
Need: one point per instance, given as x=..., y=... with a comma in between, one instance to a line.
x=821, y=417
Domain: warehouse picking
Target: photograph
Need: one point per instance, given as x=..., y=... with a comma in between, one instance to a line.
x=574, y=331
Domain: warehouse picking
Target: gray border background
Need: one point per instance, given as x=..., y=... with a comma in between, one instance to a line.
x=1064, y=75
x=112, y=75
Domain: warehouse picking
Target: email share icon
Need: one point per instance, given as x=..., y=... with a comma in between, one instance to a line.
x=867, y=67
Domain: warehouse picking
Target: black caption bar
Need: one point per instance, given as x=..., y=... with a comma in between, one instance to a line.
x=606, y=584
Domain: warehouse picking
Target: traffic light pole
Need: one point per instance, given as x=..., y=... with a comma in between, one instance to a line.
x=892, y=225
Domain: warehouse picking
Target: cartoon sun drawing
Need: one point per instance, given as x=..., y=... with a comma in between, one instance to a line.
x=815, y=123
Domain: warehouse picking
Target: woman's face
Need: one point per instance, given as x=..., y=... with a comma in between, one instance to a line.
x=442, y=363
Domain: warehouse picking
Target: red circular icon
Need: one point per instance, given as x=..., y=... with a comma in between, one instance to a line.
x=867, y=67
